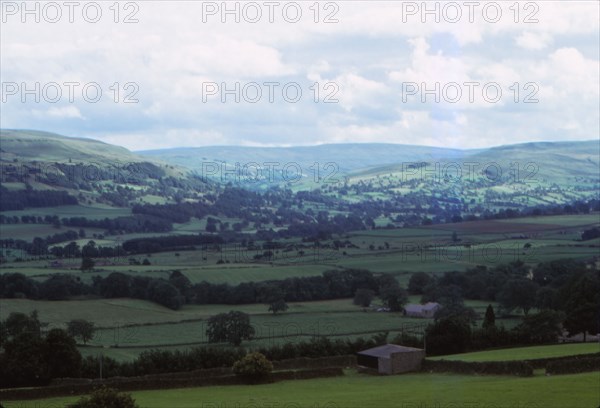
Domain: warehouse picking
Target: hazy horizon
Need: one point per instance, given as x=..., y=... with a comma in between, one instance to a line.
x=284, y=146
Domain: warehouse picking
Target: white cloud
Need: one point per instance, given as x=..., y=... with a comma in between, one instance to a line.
x=63, y=112
x=171, y=52
x=533, y=41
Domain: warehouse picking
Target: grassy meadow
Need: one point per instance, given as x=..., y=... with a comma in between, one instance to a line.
x=525, y=353
x=422, y=390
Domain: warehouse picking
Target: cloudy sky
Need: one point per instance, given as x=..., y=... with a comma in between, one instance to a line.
x=156, y=74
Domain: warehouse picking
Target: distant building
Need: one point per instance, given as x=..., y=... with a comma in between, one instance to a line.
x=423, y=311
x=391, y=359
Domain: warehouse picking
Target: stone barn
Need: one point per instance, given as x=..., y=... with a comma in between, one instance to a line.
x=391, y=359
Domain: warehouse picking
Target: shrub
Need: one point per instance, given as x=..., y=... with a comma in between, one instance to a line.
x=518, y=368
x=254, y=366
x=573, y=365
x=106, y=398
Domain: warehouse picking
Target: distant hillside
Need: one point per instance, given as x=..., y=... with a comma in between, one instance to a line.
x=563, y=163
x=531, y=173
x=94, y=171
x=348, y=156
x=45, y=146
x=557, y=162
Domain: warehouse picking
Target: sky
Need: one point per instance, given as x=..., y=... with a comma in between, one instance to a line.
x=160, y=74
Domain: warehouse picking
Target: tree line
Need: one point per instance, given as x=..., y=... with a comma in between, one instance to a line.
x=566, y=289
x=178, y=290
x=21, y=199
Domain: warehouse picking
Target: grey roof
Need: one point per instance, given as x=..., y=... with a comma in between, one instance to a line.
x=419, y=308
x=430, y=305
x=387, y=350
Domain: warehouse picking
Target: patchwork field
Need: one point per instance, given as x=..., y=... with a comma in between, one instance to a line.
x=126, y=327
x=134, y=325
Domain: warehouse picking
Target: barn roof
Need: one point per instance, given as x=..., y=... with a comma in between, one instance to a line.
x=420, y=308
x=430, y=305
x=387, y=350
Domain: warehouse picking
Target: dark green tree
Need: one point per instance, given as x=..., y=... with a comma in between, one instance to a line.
x=547, y=297
x=23, y=362
x=448, y=336
x=489, y=321
x=82, y=329
x=542, y=327
x=278, y=306
x=582, y=318
x=518, y=293
x=393, y=297
x=232, y=327
x=581, y=297
x=117, y=284
x=164, y=293
x=17, y=323
x=87, y=264
x=417, y=283
x=274, y=297
x=457, y=310
x=61, y=355
x=363, y=297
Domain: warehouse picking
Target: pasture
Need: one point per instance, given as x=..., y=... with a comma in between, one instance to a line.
x=422, y=390
x=126, y=327
x=525, y=353
x=134, y=325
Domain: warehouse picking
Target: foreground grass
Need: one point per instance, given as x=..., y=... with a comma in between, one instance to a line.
x=526, y=353
x=356, y=390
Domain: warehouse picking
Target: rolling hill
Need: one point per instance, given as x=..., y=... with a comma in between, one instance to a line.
x=550, y=162
x=522, y=174
x=348, y=156
x=94, y=171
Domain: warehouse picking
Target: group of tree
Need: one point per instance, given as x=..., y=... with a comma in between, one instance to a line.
x=30, y=355
x=455, y=332
x=21, y=199
x=45, y=248
x=565, y=289
x=178, y=290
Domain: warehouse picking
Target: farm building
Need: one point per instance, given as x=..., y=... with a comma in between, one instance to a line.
x=426, y=311
x=391, y=359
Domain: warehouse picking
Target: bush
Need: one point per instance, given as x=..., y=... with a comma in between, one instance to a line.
x=106, y=398
x=448, y=336
x=254, y=366
x=573, y=365
x=518, y=368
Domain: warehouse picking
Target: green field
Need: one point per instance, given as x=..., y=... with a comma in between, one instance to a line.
x=525, y=353
x=135, y=325
x=130, y=326
x=421, y=390
x=65, y=211
x=400, y=252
